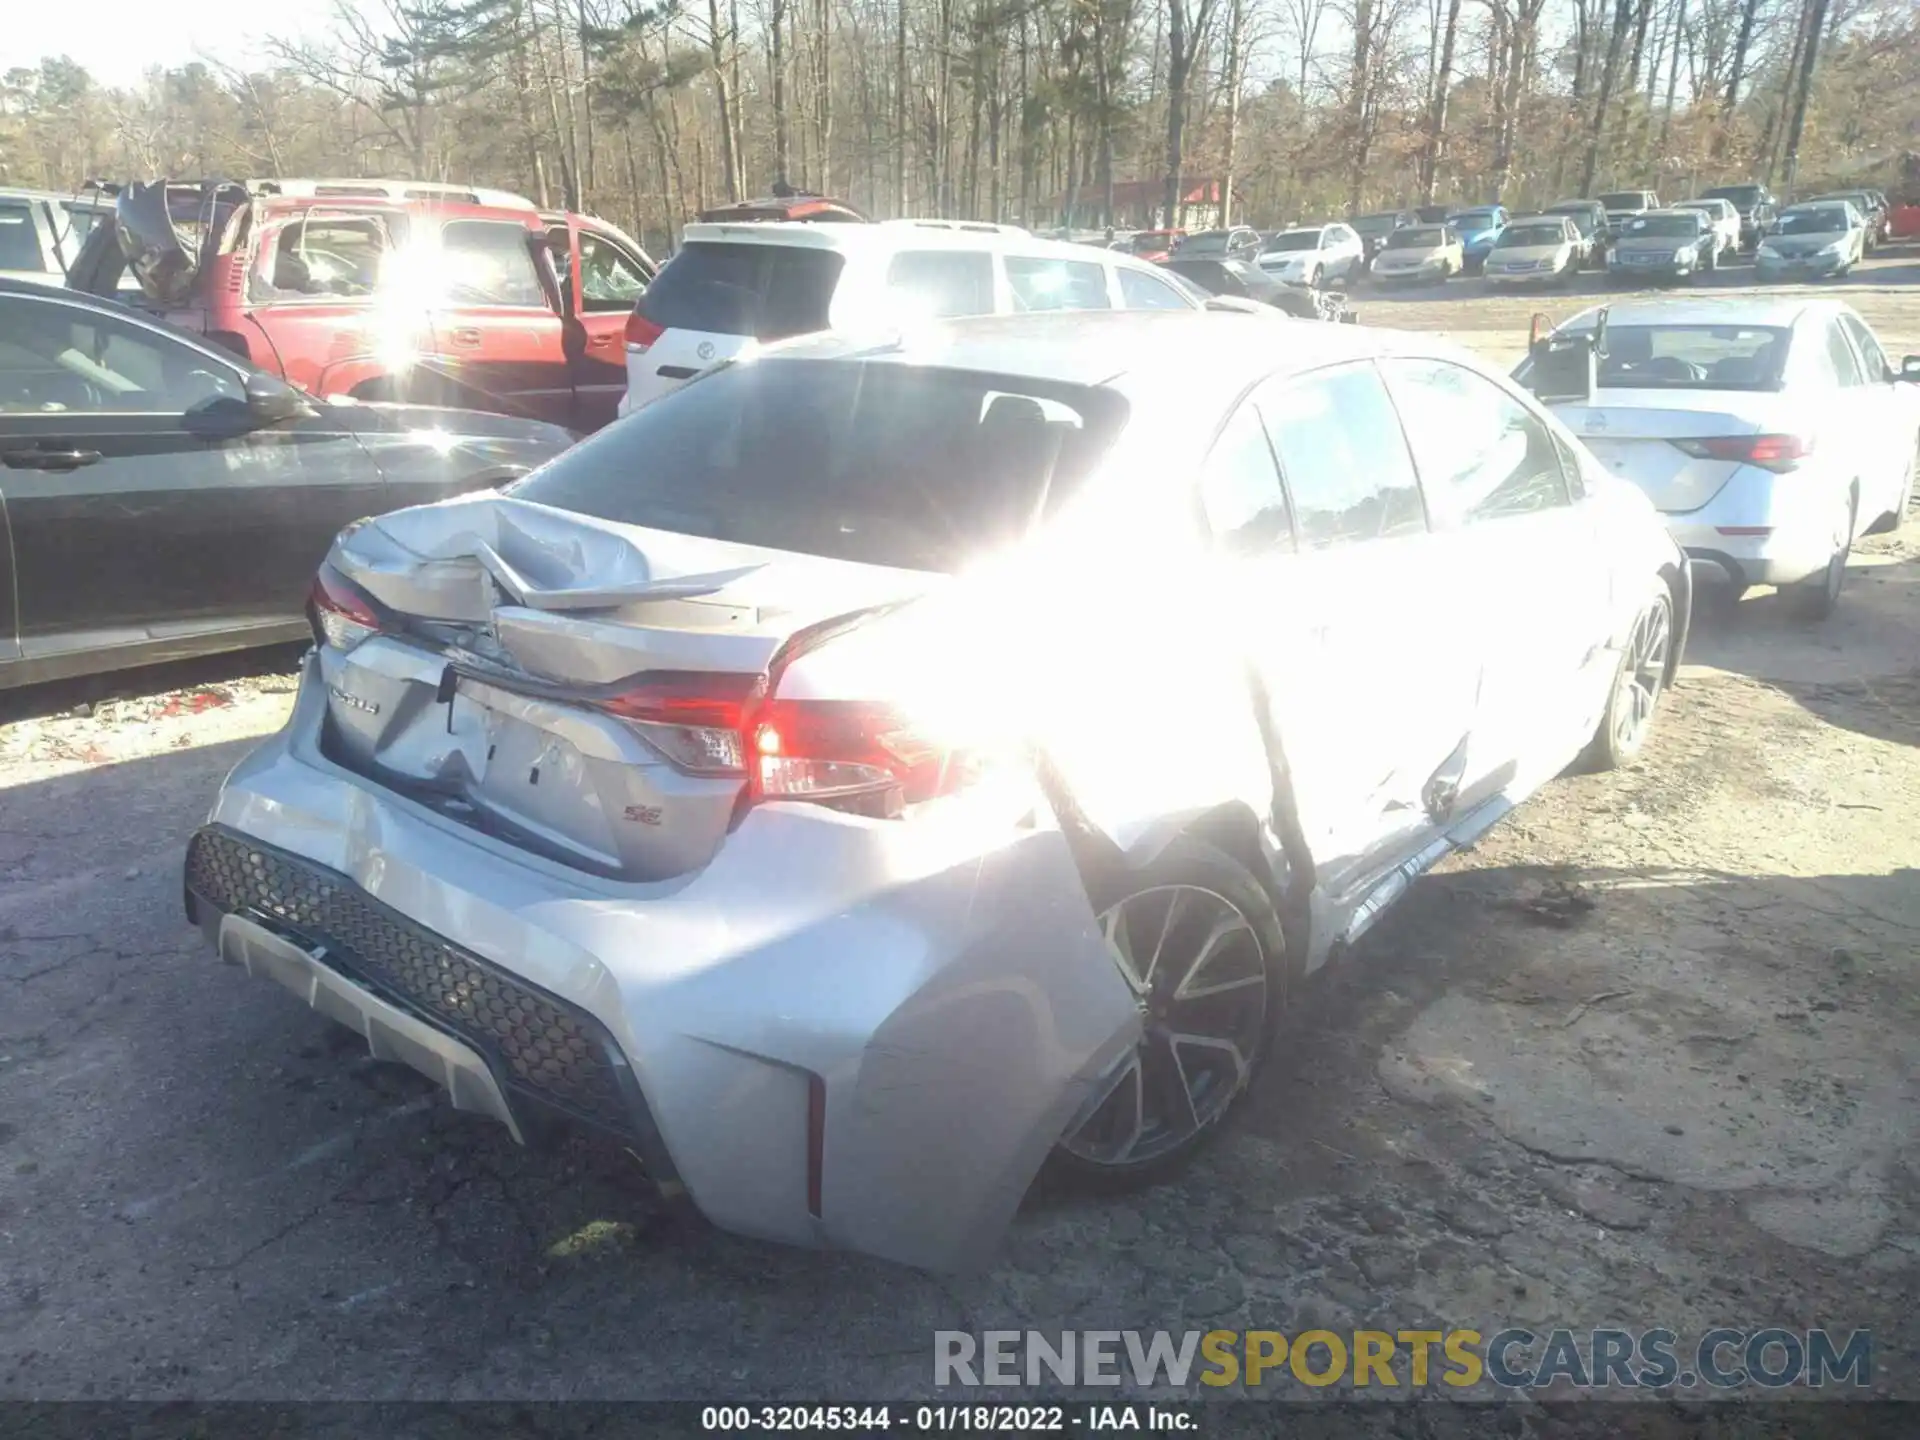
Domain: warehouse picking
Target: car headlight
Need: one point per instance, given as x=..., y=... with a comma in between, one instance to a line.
x=1767, y=252
x=1838, y=247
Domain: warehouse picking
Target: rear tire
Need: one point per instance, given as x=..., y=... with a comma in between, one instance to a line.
x=1638, y=684
x=1817, y=598
x=1197, y=940
x=1895, y=518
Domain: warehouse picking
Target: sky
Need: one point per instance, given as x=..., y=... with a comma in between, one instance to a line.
x=117, y=40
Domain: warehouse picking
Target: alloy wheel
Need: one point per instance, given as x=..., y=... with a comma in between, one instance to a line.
x=1642, y=676
x=1198, y=973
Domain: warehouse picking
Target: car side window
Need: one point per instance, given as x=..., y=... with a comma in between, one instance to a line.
x=488, y=262
x=1046, y=283
x=1879, y=369
x=1481, y=453
x=610, y=279
x=58, y=359
x=1840, y=355
x=944, y=283
x=323, y=257
x=1240, y=492
x=1348, y=474
x=1141, y=291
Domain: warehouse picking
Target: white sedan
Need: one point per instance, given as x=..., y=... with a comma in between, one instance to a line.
x=1770, y=432
x=781, y=805
x=1726, y=222
x=1313, y=255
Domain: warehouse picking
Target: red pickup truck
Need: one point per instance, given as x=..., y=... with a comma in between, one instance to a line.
x=385, y=290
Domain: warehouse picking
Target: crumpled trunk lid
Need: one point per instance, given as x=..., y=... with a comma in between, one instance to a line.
x=510, y=624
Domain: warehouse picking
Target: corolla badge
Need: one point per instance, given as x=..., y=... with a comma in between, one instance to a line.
x=352, y=701
x=705, y=350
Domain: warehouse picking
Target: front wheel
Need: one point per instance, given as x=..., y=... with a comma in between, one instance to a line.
x=1196, y=940
x=1637, y=687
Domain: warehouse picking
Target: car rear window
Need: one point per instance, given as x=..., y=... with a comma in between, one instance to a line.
x=1738, y=194
x=732, y=288
x=1694, y=357
x=904, y=465
x=1625, y=200
x=1417, y=237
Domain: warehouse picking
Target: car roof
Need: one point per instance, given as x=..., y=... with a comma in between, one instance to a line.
x=105, y=305
x=884, y=236
x=1136, y=351
x=1782, y=311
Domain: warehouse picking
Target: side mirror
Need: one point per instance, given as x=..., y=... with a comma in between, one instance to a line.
x=1910, y=369
x=270, y=401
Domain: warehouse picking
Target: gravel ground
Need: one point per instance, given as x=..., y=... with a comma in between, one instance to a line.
x=1647, y=1057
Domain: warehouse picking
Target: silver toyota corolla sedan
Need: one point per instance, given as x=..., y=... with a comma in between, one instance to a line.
x=877, y=770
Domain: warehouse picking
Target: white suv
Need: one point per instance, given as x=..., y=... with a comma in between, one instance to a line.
x=733, y=287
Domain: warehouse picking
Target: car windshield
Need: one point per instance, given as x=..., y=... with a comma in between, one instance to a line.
x=1663, y=227
x=1473, y=219
x=1377, y=224
x=1742, y=197
x=1151, y=242
x=1418, y=237
x=1823, y=220
x=911, y=466
x=1294, y=240
x=1210, y=242
x=1625, y=200
x=1515, y=237
x=1694, y=357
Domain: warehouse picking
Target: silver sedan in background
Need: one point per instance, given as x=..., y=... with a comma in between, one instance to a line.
x=880, y=769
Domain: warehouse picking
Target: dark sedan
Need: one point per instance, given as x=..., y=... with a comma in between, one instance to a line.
x=1239, y=280
x=161, y=498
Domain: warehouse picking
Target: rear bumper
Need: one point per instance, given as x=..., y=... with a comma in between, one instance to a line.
x=841, y=1032
x=1796, y=510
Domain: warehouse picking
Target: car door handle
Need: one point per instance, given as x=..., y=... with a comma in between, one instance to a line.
x=602, y=342
x=468, y=338
x=49, y=459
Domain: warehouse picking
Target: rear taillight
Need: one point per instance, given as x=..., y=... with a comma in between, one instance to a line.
x=697, y=719
x=340, y=612
x=642, y=332
x=1779, y=453
x=853, y=755
x=857, y=756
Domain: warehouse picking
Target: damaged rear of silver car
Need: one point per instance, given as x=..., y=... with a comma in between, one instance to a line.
x=851, y=781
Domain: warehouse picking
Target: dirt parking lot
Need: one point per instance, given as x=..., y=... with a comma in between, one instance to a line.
x=1647, y=1057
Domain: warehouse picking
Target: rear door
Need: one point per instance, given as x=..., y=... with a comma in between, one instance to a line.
x=324, y=289
x=1890, y=416
x=497, y=333
x=1372, y=681
x=1053, y=282
x=1525, y=569
x=720, y=297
